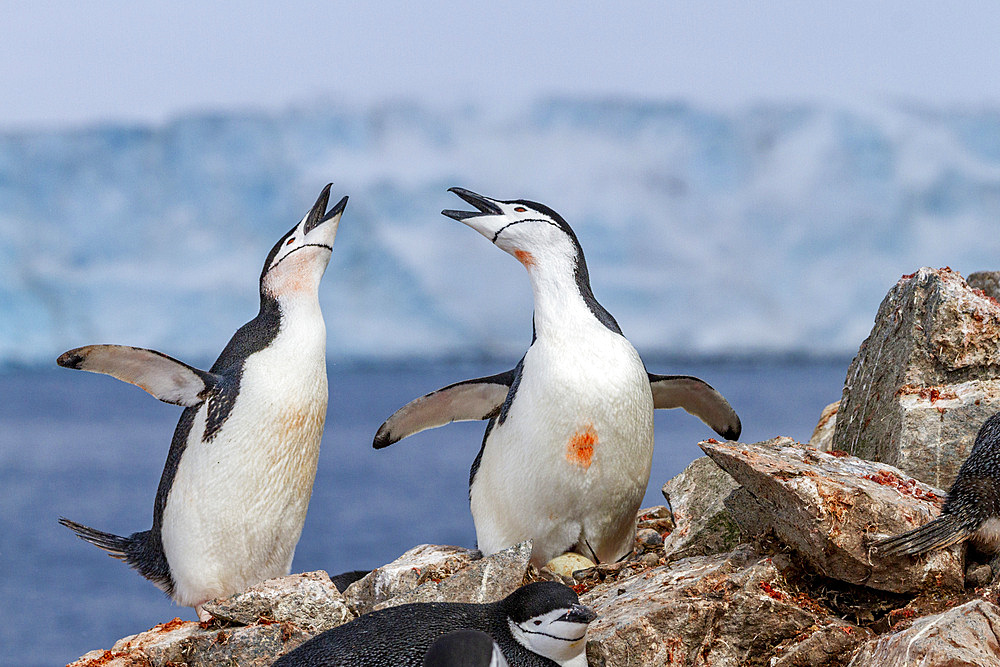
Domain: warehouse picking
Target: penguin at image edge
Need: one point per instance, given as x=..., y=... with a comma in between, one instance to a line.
x=234, y=491
x=568, y=447
x=538, y=625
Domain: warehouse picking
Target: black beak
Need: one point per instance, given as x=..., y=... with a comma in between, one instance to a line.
x=319, y=214
x=483, y=205
x=578, y=613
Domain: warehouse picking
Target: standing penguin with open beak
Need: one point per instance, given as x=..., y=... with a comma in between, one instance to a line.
x=234, y=491
x=567, y=452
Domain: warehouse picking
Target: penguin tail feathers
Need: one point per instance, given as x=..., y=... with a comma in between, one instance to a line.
x=116, y=545
x=944, y=531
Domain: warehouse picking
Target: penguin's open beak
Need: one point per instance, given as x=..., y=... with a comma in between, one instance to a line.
x=578, y=613
x=483, y=205
x=318, y=215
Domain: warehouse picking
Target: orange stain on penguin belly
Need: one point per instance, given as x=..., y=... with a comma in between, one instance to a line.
x=580, y=449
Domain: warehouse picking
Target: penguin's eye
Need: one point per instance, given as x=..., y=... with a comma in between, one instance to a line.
x=290, y=241
x=536, y=622
x=520, y=209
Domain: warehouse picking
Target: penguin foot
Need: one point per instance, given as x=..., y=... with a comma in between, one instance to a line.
x=203, y=615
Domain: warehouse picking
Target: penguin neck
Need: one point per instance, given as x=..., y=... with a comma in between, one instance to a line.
x=563, y=297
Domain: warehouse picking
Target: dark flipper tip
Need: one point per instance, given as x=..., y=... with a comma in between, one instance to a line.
x=71, y=359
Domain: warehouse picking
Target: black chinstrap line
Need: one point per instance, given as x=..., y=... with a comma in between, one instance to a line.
x=517, y=222
x=304, y=245
x=545, y=634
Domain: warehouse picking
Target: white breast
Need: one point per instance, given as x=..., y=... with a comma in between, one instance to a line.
x=572, y=459
x=236, y=508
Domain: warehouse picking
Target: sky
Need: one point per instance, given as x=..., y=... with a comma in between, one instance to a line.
x=66, y=63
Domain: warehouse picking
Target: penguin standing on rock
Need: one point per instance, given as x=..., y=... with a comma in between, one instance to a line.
x=567, y=452
x=972, y=509
x=234, y=491
x=542, y=624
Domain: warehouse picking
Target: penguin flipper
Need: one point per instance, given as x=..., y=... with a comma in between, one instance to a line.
x=469, y=400
x=698, y=398
x=164, y=377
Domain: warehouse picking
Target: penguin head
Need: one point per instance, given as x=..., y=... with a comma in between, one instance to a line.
x=298, y=260
x=533, y=233
x=546, y=617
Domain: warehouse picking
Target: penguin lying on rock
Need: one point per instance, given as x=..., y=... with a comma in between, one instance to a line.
x=233, y=495
x=541, y=624
x=567, y=452
x=972, y=509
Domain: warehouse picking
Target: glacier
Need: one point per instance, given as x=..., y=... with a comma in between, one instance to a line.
x=771, y=228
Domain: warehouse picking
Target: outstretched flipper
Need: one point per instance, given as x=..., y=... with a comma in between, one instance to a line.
x=164, y=377
x=697, y=397
x=943, y=531
x=469, y=400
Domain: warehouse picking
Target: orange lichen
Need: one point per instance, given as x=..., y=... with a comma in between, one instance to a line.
x=907, y=487
x=580, y=449
x=525, y=257
x=771, y=591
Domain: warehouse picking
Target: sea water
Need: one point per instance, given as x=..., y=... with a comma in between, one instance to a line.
x=91, y=449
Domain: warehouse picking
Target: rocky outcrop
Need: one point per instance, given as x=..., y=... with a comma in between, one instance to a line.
x=250, y=629
x=830, y=509
x=925, y=378
x=729, y=609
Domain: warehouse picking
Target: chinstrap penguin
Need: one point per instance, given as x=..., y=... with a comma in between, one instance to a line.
x=234, y=491
x=566, y=456
x=541, y=624
x=970, y=512
x=465, y=648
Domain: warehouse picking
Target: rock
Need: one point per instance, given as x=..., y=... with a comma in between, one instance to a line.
x=420, y=564
x=900, y=405
x=659, y=518
x=647, y=539
x=309, y=600
x=728, y=609
x=978, y=575
x=569, y=563
x=830, y=508
x=964, y=635
x=988, y=282
x=704, y=525
x=822, y=437
x=486, y=580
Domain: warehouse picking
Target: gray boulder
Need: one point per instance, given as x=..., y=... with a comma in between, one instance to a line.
x=703, y=524
x=902, y=403
x=968, y=635
x=831, y=508
x=486, y=580
x=988, y=282
x=309, y=600
x=722, y=610
x=423, y=563
x=822, y=436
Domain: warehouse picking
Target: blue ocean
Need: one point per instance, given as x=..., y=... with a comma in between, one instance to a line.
x=91, y=448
